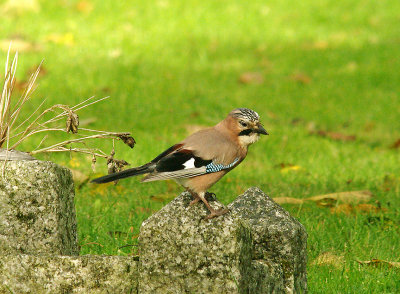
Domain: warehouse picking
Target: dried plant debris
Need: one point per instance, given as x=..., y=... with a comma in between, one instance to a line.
x=251, y=78
x=115, y=165
x=301, y=78
x=14, y=129
x=330, y=200
x=127, y=139
x=288, y=200
x=380, y=263
x=72, y=123
x=396, y=144
x=363, y=208
x=329, y=259
x=344, y=197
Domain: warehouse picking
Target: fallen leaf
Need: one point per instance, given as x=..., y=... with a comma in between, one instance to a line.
x=348, y=199
x=18, y=44
x=300, y=78
x=287, y=169
x=288, y=200
x=365, y=208
x=251, y=78
x=84, y=6
x=321, y=45
x=33, y=69
x=20, y=6
x=334, y=135
x=326, y=202
x=194, y=114
x=344, y=197
x=115, y=53
x=369, y=126
x=380, y=263
x=328, y=258
x=284, y=164
x=66, y=39
x=396, y=144
x=342, y=208
x=369, y=208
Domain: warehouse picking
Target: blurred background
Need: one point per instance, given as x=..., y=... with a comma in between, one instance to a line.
x=323, y=75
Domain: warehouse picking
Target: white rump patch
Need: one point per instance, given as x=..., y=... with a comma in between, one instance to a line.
x=189, y=163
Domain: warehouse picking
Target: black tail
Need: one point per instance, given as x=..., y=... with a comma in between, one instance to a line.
x=144, y=169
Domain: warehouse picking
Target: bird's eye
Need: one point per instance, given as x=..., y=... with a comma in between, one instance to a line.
x=243, y=124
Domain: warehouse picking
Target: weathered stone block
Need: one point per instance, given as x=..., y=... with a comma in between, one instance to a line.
x=256, y=248
x=278, y=238
x=43, y=274
x=37, y=212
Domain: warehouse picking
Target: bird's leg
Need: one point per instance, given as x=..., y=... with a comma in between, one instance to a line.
x=195, y=198
x=209, y=196
x=213, y=212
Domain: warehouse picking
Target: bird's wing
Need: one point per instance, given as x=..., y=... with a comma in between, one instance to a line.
x=192, y=158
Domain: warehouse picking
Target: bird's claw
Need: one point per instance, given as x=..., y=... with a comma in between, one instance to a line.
x=216, y=213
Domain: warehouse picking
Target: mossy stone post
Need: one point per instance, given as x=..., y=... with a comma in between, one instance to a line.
x=37, y=212
x=38, y=239
x=256, y=248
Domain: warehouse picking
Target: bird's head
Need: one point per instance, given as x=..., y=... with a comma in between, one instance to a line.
x=245, y=123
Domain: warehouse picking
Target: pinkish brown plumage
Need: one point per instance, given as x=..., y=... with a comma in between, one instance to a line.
x=203, y=158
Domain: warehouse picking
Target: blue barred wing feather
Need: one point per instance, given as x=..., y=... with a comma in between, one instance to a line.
x=183, y=163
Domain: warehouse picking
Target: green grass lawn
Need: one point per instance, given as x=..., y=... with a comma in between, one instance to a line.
x=171, y=65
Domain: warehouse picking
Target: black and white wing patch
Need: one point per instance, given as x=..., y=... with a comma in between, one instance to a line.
x=183, y=164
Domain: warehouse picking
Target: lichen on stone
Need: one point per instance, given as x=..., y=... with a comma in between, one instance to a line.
x=256, y=248
x=37, y=212
x=42, y=274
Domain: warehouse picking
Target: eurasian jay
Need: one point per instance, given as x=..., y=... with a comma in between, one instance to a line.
x=200, y=160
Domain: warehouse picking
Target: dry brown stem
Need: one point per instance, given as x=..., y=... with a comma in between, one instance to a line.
x=12, y=134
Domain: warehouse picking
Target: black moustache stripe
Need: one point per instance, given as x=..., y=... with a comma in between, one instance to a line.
x=246, y=132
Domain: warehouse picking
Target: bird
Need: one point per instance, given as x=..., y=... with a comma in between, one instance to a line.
x=203, y=158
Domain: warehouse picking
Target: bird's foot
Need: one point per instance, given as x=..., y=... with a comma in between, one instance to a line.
x=216, y=213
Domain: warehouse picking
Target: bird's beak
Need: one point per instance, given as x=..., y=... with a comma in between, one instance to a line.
x=261, y=130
